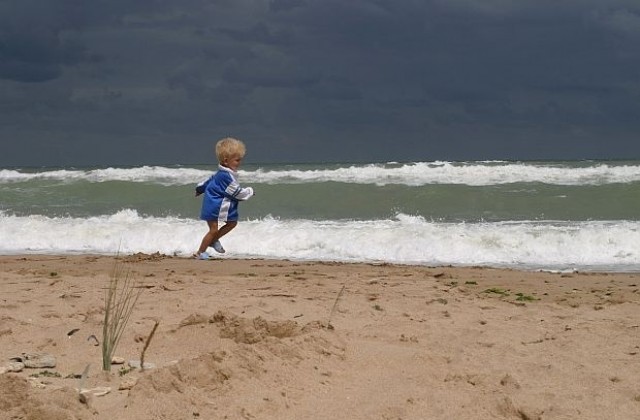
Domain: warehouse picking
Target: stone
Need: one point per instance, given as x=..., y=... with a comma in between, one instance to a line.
x=136, y=364
x=36, y=360
x=127, y=383
x=14, y=367
x=99, y=391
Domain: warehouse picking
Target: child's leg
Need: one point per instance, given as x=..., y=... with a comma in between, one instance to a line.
x=210, y=236
x=225, y=229
x=219, y=234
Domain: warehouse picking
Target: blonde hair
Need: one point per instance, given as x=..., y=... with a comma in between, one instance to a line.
x=229, y=147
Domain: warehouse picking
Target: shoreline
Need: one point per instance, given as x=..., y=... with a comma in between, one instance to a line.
x=279, y=339
x=522, y=268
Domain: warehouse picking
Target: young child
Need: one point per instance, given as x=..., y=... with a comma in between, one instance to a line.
x=221, y=195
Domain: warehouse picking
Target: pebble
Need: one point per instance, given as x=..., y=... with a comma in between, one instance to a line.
x=136, y=364
x=36, y=360
x=116, y=360
x=128, y=383
x=99, y=391
x=14, y=367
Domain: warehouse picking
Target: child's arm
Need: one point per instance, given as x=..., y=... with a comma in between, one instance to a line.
x=232, y=189
x=202, y=186
x=236, y=192
x=244, y=194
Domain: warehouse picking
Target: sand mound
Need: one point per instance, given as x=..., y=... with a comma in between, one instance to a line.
x=20, y=400
x=254, y=347
x=251, y=331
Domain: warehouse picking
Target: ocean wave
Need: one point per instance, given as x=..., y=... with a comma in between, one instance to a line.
x=411, y=174
x=473, y=174
x=404, y=239
x=151, y=174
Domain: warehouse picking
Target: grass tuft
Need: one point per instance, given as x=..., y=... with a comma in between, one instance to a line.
x=120, y=299
x=497, y=291
x=333, y=308
x=147, y=342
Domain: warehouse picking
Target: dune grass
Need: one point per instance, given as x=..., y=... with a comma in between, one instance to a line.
x=121, y=297
x=333, y=308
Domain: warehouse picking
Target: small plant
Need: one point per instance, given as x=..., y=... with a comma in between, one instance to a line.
x=124, y=370
x=46, y=374
x=377, y=307
x=497, y=291
x=333, y=308
x=525, y=298
x=120, y=299
x=146, y=344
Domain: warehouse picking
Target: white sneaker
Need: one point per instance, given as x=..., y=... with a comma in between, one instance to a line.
x=203, y=256
x=218, y=247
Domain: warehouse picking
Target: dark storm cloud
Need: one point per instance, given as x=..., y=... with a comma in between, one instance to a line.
x=34, y=34
x=330, y=79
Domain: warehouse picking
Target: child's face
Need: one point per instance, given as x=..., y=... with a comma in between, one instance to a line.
x=232, y=162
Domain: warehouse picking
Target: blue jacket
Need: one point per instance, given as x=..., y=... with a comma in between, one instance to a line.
x=221, y=195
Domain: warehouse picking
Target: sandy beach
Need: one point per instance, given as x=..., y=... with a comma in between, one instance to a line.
x=272, y=339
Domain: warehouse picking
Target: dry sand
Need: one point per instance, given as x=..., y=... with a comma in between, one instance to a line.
x=260, y=339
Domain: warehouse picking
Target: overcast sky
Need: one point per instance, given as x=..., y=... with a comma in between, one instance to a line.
x=114, y=82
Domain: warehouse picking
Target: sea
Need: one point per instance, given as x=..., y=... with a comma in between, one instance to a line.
x=548, y=215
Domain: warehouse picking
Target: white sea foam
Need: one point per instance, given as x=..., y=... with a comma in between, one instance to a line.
x=153, y=174
x=404, y=239
x=413, y=174
x=477, y=174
